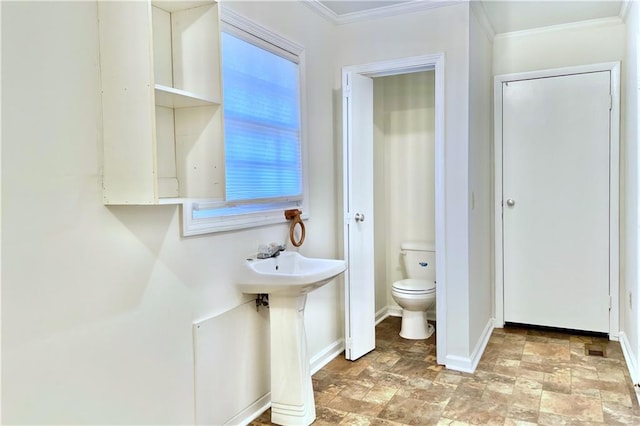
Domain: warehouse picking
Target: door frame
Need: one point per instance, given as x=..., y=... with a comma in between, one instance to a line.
x=408, y=65
x=614, y=183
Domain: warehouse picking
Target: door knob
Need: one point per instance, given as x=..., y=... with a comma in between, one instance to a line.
x=511, y=202
x=359, y=217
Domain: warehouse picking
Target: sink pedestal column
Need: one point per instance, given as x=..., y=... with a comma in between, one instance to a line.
x=292, y=401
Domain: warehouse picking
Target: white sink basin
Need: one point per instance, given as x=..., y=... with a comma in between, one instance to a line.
x=290, y=273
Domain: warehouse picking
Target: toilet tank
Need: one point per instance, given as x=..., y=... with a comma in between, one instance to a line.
x=419, y=259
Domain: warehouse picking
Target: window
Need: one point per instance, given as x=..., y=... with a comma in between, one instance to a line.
x=261, y=122
x=261, y=77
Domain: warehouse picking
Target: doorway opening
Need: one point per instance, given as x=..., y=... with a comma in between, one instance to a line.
x=367, y=289
x=404, y=177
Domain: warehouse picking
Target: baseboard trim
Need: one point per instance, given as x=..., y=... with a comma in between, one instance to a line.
x=469, y=364
x=629, y=357
x=382, y=314
x=394, y=311
x=326, y=355
x=252, y=412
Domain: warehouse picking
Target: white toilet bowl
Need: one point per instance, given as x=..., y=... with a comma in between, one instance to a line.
x=414, y=296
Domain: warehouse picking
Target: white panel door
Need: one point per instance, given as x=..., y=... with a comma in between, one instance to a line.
x=358, y=205
x=556, y=201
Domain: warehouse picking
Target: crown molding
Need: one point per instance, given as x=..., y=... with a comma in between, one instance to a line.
x=321, y=10
x=591, y=23
x=380, y=12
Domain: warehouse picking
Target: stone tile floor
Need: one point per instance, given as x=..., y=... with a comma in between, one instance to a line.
x=525, y=377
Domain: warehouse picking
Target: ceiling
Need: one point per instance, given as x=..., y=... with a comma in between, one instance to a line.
x=503, y=15
x=343, y=7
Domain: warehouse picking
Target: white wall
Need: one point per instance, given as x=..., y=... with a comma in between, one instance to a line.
x=480, y=185
x=405, y=179
x=630, y=157
x=380, y=202
x=98, y=302
x=444, y=29
x=562, y=46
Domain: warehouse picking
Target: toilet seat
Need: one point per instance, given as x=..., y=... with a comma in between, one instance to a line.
x=413, y=286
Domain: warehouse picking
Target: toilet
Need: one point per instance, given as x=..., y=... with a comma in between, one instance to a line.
x=417, y=292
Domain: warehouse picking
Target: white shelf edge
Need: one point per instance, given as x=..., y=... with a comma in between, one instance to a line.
x=170, y=97
x=171, y=201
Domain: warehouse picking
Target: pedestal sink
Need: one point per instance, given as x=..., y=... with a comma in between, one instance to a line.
x=287, y=279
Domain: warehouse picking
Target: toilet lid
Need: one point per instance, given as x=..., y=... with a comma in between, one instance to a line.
x=413, y=285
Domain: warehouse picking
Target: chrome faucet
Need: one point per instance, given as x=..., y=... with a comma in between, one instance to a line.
x=270, y=250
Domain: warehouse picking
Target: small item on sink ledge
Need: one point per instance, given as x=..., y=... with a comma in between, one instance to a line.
x=294, y=216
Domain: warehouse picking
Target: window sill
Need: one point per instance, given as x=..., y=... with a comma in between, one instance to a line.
x=270, y=215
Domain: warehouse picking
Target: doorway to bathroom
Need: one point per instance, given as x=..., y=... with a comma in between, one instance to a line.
x=403, y=178
x=393, y=186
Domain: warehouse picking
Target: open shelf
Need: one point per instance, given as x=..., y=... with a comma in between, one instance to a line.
x=161, y=96
x=170, y=97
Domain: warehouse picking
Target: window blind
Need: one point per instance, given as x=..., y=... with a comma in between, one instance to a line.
x=262, y=123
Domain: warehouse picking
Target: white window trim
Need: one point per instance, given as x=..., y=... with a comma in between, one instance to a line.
x=273, y=213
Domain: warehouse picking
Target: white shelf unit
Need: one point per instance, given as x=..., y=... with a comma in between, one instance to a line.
x=161, y=96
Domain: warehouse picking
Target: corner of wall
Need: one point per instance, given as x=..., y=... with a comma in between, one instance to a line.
x=479, y=12
x=630, y=358
x=470, y=363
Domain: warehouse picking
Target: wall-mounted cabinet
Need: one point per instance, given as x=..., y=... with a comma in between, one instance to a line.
x=161, y=99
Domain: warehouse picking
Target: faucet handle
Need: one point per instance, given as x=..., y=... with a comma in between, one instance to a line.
x=278, y=247
x=264, y=251
x=270, y=250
